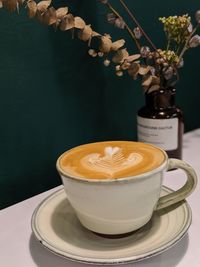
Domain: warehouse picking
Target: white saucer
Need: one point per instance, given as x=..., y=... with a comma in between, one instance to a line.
x=55, y=225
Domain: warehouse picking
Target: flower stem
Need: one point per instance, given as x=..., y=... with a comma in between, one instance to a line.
x=138, y=24
x=168, y=44
x=126, y=25
x=178, y=49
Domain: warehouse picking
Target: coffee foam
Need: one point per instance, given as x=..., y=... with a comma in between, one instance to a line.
x=114, y=159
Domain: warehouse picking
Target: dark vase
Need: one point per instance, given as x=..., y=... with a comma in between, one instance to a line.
x=160, y=122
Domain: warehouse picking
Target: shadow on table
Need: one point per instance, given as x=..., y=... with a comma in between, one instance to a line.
x=43, y=258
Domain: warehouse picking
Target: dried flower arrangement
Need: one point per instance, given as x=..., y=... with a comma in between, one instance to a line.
x=157, y=68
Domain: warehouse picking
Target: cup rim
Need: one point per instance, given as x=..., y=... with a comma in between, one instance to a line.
x=112, y=180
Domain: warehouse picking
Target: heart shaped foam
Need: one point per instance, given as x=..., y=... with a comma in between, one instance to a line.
x=112, y=162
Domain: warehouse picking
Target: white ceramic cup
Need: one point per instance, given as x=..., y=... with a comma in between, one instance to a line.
x=118, y=206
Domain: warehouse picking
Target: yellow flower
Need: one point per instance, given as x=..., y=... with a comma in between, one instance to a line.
x=177, y=28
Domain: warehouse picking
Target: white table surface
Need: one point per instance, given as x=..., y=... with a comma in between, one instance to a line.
x=19, y=248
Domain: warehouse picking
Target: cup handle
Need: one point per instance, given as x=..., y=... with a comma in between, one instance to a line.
x=184, y=191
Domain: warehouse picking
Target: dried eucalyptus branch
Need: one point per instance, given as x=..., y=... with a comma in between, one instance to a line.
x=157, y=69
x=114, y=11
x=189, y=42
x=137, y=23
x=160, y=60
x=62, y=19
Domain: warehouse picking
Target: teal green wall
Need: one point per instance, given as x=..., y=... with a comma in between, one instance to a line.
x=53, y=96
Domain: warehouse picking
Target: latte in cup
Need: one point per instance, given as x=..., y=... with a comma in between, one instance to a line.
x=115, y=186
x=111, y=160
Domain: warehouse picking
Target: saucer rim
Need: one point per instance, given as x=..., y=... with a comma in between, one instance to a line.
x=111, y=261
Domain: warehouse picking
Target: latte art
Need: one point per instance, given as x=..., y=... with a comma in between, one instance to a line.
x=110, y=160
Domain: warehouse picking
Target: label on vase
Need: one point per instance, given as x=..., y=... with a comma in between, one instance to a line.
x=159, y=132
